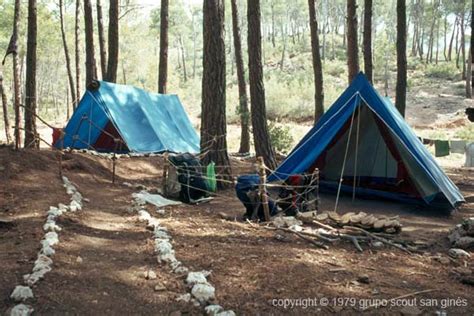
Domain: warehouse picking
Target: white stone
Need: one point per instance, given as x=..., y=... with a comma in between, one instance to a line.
x=143, y=216
x=51, y=226
x=226, y=313
x=75, y=206
x=212, y=310
x=196, y=277
x=21, y=293
x=203, y=292
x=47, y=250
x=50, y=238
x=458, y=253
x=163, y=247
x=181, y=270
x=21, y=310
x=169, y=257
x=184, y=298
x=161, y=211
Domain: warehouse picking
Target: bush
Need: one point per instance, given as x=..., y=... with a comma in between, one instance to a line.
x=280, y=137
x=442, y=71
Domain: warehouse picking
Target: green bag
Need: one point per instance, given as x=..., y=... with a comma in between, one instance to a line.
x=211, y=177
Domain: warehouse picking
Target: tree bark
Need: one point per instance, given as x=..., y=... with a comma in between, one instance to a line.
x=317, y=65
x=463, y=44
x=77, y=53
x=213, y=116
x=468, y=77
x=181, y=46
x=352, y=48
x=163, y=66
x=102, y=45
x=368, y=39
x=16, y=75
x=31, y=139
x=400, y=99
x=263, y=146
x=6, y=120
x=66, y=55
x=450, y=48
x=112, y=63
x=91, y=70
x=243, y=98
x=471, y=73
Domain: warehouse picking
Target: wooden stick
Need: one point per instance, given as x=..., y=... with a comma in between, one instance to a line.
x=262, y=189
x=386, y=241
x=165, y=174
x=330, y=228
x=314, y=242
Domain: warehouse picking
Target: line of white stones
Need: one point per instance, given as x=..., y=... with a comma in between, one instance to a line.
x=202, y=293
x=43, y=263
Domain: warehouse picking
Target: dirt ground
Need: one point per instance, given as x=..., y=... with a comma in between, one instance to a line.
x=104, y=250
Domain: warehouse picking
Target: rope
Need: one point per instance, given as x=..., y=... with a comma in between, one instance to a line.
x=344, y=162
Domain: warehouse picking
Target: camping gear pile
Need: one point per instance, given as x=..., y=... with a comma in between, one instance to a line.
x=462, y=235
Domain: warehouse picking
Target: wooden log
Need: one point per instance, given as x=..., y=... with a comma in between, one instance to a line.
x=322, y=217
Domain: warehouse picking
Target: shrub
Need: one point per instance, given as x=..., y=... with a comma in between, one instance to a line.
x=442, y=71
x=280, y=137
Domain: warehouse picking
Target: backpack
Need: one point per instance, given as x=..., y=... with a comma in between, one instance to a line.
x=185, y=178
x=247, y=192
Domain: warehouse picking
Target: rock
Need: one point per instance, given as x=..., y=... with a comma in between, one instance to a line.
x=184, y=298
x=79, y=259
x=203, y=292
x=51, y=226
x=465, y=243
x=21, y=310
x=181, y=270
x=47, y=250
x=159, y=287
x=226, y=313
x=151, y=275
x=286, y=221
x=456, y=233
x=377, y=244
x=197, y=277
x=163, y=247
x=458, y=253
x=363, y=279
x=143, y=216
x=212, y=310
x=21, y=293
x=161, y=211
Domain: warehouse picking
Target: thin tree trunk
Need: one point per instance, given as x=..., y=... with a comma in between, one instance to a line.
x=181, y=45
x=352, y=48
x=450, y=48
x=102, y=46
x=243, y=98
x=31, y=139
x=471, y=73
x=163, y=66
x=263, y=146
x=463, y=44
x=66, y=54
x=16, y=75
x=91, y=70
x=468, y=77
x=213, y=118
x=317, y=65
x=77, y=53
x=368, y=39
x=400, y=99
x=437, y=41
x=272, y=6
x=112, y=63
x=6, y=120
x=445, y=37
x=194, y=45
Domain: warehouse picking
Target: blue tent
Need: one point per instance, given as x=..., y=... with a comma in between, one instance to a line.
x=364, y=146
x=144, y=122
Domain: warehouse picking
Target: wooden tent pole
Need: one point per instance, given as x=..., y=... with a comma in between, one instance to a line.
x=262, y=188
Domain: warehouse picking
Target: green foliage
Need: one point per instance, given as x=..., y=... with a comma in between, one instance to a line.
x=466, y=133
x=280, y=137
x=443, y=70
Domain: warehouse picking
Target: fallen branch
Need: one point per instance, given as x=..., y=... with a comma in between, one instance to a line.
x=386, y=241
x=302, y=236
x=330, y=228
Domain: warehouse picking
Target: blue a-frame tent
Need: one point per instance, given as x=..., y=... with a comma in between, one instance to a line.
x=144, y=122
x=363, y=140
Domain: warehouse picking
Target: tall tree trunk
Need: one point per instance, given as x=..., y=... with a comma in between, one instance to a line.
x=16, y=74
x=243, y=98
x=31, y=139
x=401, y=89
x=112, y=63
x=437, y=41
x=163, y=66
x=102, y=46
x=368, y=39
x=6, y=120
x=272, y=6
x=445, y=37
x=66, y=54
x=181, y=46
x=91, y=70
x=213, y=117
x=471, y=49
x=352, y=48
x=463, y=40
x=317, y=65
x=77, y=53
x=263, y=146
x=468, y=76
x=450, y=48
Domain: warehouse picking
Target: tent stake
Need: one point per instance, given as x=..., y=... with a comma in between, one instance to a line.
x=262, y=188
x=165, y=174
